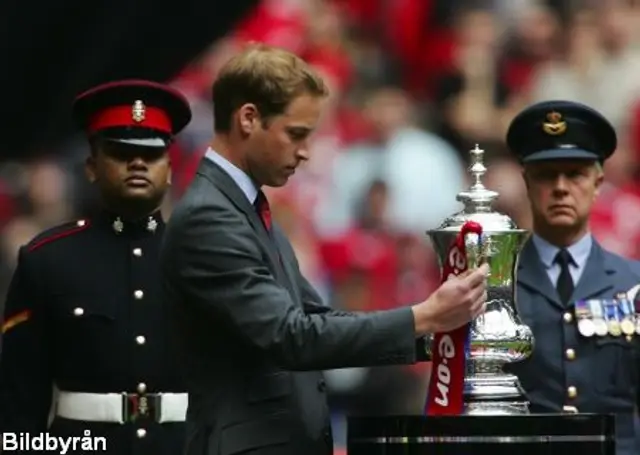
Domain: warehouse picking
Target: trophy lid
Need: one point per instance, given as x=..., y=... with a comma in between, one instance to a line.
x=477, y=202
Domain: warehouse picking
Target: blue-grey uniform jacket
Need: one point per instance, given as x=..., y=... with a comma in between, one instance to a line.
x=568, y=371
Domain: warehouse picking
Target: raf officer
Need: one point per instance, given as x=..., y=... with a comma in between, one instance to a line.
x=84, y=344
x=567, y=283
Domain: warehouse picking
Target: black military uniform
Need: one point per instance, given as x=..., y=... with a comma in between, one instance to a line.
x=83, y=313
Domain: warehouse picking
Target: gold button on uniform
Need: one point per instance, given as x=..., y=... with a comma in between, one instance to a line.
x=140, y=339
x=570, y=354
x=81, y=223
x=142, y=387
x=572, y=392
x=141, y=432
x=137, y=252
x=138, y=294
x=568, y=317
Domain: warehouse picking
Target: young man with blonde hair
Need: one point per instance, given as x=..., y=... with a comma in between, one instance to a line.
x=250, y=330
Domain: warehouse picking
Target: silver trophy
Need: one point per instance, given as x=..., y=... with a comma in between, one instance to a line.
x=498, y=336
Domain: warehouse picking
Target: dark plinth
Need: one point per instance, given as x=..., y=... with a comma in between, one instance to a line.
x=536, y=434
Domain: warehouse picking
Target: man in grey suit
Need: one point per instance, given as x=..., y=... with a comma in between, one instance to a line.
x=567, y=283
x=250, y=330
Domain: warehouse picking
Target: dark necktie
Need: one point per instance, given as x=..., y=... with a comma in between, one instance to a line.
x=565, y=282
x=263, y=209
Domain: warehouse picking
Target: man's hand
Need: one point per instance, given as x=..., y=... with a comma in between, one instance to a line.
x=456, y=302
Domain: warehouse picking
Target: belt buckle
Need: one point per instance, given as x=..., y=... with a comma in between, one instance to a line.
x=141, y=406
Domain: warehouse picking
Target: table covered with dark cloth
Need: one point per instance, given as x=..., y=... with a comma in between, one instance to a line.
x=539, y=434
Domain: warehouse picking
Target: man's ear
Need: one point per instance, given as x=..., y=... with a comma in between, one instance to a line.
x=169, y=167
x=526, y=179
x=248, y=118
x=599, y=180
x=90, y=168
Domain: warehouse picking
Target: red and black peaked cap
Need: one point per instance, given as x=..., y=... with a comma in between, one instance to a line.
x=136, y=112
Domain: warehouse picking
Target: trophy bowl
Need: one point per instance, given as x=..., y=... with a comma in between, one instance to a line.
x=498, y=336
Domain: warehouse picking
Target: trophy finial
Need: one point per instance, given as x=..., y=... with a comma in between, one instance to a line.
x=477, y=202
x=477, y=198
x=477, y=169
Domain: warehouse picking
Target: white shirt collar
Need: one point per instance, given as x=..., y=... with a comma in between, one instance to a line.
x=238, y=175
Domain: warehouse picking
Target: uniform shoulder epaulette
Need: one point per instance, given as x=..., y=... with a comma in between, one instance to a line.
x=57, y=232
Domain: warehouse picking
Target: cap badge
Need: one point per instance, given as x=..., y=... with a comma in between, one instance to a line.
x=554, y=126
x=138, y=111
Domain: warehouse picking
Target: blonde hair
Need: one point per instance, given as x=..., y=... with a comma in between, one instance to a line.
x=266, y=76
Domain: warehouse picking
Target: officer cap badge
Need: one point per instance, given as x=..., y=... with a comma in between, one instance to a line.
x=138, y=111
x=555, y=125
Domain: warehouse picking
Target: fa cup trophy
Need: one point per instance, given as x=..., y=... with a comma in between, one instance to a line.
x=473, y=405
x=467, y=375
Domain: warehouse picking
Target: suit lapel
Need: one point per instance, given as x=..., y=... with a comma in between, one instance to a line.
x=597, y=275
x=532, y=275
x=218, y=177
x=286, y=264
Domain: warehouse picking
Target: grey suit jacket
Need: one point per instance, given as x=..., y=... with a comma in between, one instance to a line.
x=602, y=369
x=251, y=332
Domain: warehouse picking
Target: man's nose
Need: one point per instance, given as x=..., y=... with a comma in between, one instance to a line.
x=303, y=152
x=137, y=162
x=561, y=183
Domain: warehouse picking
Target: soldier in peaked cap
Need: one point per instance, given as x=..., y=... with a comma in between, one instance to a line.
x=572, y=292
x=85, y=351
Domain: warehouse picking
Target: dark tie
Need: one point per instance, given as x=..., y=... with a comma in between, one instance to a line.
x=565, y=282
x=263, y=209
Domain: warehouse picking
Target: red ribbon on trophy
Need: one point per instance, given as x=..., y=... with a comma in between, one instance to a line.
x=449, y=349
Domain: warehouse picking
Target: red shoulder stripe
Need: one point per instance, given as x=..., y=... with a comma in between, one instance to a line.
x=14, y=320
x=59, y=235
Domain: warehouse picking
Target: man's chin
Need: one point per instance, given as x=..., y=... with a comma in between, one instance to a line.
x=139, y=197
x=562, y=221
x=278, y=182
x=142, y=192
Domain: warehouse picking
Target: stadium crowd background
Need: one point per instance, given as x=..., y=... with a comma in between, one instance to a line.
x=415, y=85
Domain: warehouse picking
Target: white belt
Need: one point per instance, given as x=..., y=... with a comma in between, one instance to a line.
x=118, y=407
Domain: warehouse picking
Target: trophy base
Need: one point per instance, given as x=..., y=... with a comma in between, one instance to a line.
x=533, y=434
x=494, y=395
